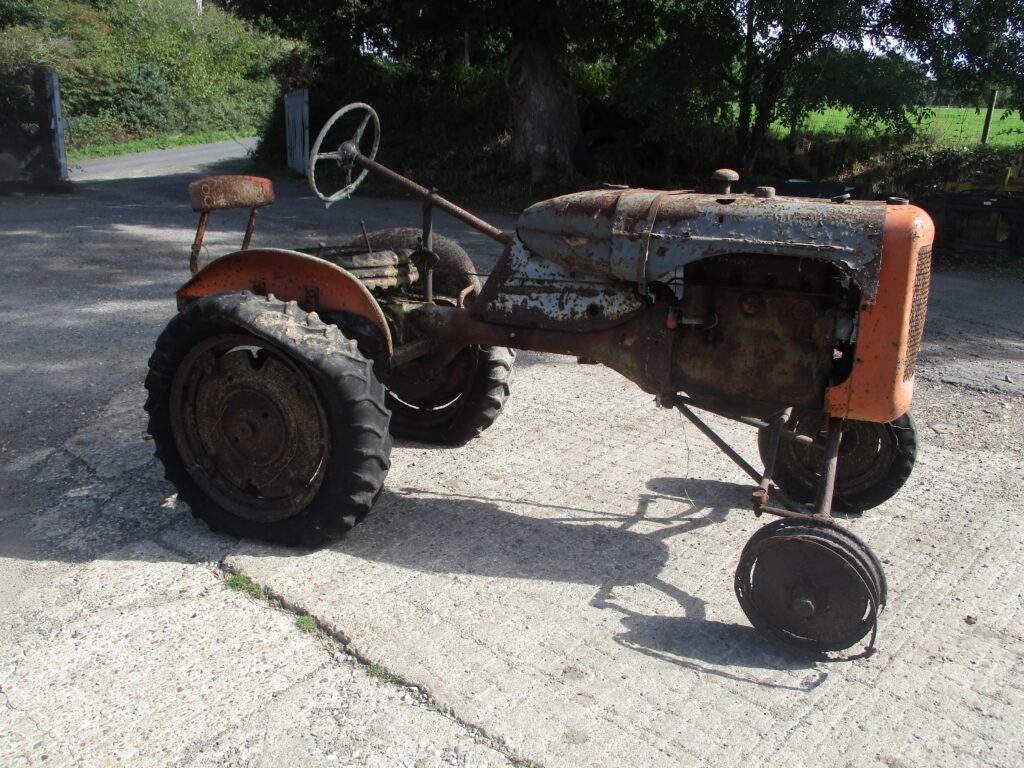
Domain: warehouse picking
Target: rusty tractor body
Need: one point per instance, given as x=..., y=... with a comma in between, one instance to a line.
x=273, y=392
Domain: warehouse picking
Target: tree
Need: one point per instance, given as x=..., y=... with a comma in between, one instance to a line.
x=790, y=50
x=778, y=39
x=874, y=88
x=673, y=66
x=530, y=35
x=535, y=40
x=969, y=46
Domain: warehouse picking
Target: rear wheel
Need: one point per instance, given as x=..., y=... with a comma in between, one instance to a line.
x=269, y=423
x=875, y=460
x=454, y=271
x=450, y=404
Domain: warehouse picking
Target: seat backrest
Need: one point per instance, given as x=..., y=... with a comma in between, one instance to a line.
x=222, y=193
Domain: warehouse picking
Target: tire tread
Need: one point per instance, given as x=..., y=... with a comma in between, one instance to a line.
x=352, y=395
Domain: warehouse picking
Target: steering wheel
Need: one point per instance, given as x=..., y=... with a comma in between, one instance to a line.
x=346, y=152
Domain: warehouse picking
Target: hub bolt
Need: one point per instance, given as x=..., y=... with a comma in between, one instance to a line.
x=803, y=604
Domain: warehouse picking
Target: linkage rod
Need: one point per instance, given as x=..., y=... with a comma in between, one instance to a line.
x=763, y=482
x=723, y=446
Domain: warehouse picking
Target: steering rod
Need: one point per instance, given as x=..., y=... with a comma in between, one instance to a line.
x=351, y=153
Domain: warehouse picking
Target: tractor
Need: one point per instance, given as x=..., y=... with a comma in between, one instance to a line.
x=274, y=393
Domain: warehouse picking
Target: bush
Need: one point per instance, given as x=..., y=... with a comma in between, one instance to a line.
x=145, y=99
x=135, y=68
x=98, y=128
x=14, y=13
x=914, y=171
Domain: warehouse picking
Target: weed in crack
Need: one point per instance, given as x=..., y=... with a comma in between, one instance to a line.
x=244, y=584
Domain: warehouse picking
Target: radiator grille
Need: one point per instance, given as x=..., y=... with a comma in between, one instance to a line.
x=917, y=310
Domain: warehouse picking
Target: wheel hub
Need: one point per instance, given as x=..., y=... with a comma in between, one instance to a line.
x=804, y=605
x=863, y=455
x=253, y=427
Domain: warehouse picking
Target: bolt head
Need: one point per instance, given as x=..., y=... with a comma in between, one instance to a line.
x=803, y=605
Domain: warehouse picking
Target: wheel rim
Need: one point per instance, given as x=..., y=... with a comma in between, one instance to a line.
x=810, y=584
x=249, y=426
x=865, y=453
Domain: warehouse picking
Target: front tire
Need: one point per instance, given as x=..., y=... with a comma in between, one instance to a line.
x=270, y=423
x=875, y=460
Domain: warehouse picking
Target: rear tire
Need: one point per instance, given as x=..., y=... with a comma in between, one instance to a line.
x=270, y=423
x=452, y=405
x=469, y=395
x=454, y=272
x=875, y=460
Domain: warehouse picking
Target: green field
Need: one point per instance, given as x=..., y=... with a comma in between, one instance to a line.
x=946, y=127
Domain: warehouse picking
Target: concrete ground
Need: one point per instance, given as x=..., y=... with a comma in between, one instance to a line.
x=556, y=593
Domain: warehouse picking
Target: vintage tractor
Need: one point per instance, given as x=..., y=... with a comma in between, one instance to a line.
x=273, y=394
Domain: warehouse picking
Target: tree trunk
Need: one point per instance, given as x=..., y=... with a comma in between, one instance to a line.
x=766, y=103
x=746, y=87
x=542, y=106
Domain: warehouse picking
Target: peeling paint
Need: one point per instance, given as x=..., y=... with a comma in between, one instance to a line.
x=605, y=232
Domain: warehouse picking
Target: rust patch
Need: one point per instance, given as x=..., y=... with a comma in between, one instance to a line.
x=223, y=193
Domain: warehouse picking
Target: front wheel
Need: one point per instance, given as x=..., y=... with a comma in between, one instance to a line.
x=270, y=423
x=811, y=586
x=875, y=460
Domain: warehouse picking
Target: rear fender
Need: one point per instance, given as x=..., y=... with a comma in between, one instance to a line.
x=313, y=283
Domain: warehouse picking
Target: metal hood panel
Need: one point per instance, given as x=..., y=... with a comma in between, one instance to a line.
x=646, y=235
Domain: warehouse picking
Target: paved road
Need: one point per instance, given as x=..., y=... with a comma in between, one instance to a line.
x=162, y=162
x=556, y=592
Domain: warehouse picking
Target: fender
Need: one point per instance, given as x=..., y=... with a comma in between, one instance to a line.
x=313, y=283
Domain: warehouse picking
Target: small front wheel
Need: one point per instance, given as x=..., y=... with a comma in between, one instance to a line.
x=270, y=423
x=875, y=460
x=811, y=586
